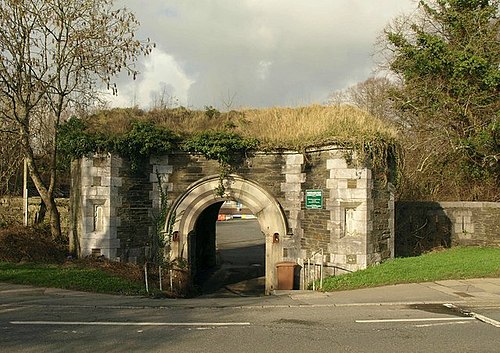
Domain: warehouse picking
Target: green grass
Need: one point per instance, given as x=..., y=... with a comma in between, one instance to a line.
x=74, y=278
x=454, y=263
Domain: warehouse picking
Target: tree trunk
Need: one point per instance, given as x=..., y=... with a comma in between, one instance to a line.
x=55, y=220
x=47, y=196
x=42, y=210
x=53, y=212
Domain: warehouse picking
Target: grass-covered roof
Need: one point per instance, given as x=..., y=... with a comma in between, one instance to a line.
x=274, y=128
x=227, y=136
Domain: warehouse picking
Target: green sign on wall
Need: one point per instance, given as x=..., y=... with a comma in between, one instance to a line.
x=314, y=199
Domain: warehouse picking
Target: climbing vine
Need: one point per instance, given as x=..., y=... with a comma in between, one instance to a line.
x=142, y=140
x=383, y=158
x=161, y=237
x=145, y=139
x=227, y=148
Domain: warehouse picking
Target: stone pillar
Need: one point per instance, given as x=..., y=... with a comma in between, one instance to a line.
x=98, y=203
x=294, y=195
x=349, y=205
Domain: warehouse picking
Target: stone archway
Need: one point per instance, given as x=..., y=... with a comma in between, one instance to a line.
x=200, y=195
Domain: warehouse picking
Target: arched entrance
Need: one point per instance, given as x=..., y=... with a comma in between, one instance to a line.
x=201, y=199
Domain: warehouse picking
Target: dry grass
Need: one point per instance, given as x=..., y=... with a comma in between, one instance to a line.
x=275, y=127
x=315, y=125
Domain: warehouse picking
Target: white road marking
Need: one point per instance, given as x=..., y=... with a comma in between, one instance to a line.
x=474, y=315
x=485, y=319
x=444, y=323
x=417, y=320
x=8, y=310
x=110, y=323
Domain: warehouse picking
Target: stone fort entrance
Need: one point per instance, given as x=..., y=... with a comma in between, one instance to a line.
x=195, y=214
x=314, y=207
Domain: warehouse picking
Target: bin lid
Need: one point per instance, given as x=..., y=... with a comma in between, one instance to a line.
x=286, y=264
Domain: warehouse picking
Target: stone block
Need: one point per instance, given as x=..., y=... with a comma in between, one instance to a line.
x=333, y=184
x=295, y=178
x=352, y=194
x=86, y=180
x=102, y=172
x=352, y=245
x=336, y=163
x=291, y=204
x=361, y=260
x=288, y=187
x=294, y=159
x=344, y=173
x=338, y=258
x=291, y=168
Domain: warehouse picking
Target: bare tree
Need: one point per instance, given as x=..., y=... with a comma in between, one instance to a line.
x=164, y=98
x=10, y=158
x=372, y=95
x=53, y=53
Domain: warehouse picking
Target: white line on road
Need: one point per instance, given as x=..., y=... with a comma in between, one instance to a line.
x=417, y=320
x=474, y=315
x=110, y=323
x=485, y=319
x=444, y=323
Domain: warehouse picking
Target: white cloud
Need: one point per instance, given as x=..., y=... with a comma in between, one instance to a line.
x=263, y=69
x=160, y=73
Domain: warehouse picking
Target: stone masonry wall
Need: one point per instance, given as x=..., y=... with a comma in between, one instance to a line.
x=139, y=205
x=381, y=239
x=421, y=226
x=117, y=209
x=94, y=201
x=293, y=195
x=315, y=221
x=134, y=210
x=11, y=211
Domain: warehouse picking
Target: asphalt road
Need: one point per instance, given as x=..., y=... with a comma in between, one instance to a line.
x=241, y=242
x=365, y=328
x=402, y=318
x=241, y=252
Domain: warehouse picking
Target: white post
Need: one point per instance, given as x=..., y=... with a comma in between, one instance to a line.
x=159, y=275
x=25, y=193
x=146, y=276
x=321, y=271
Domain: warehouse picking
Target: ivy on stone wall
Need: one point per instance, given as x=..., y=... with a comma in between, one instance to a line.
x=145, y=139
x=227, y=148
x=384, y=159
x=222, y=146
x=74, y=141
x=142, y=140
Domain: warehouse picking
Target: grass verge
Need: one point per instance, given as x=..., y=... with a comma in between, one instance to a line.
x=68, y=277
x=454, y=263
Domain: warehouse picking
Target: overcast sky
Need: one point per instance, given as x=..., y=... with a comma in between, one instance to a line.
x=255, y=53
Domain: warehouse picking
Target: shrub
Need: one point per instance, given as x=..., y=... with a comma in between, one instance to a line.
x=30, y=244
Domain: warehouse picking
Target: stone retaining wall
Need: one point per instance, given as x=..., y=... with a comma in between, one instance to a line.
x=11, y=211
x=421, y=226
